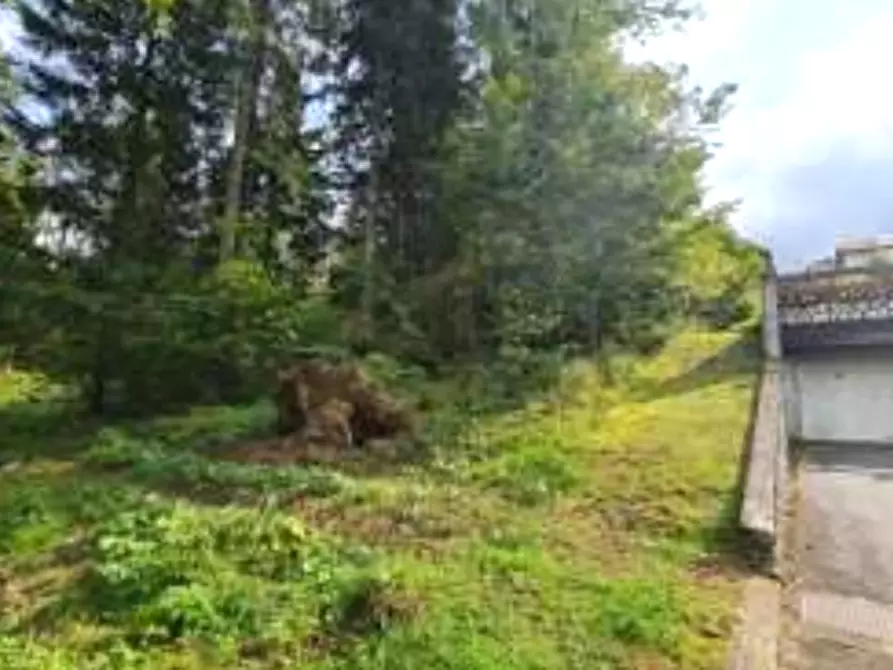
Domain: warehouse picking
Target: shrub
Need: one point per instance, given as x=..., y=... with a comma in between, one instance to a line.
x=232, y=576
x=17, y=386
x=183, y=572
x=113, y=448
x=531, y=476
x=19, y=653
x=640, y=612
x=368, y=604
x=29, y=520
x=145, y=344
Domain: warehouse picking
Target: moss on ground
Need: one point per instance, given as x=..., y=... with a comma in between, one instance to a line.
x=589, y=526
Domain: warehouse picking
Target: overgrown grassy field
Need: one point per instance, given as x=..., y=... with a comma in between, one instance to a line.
x=588, y=526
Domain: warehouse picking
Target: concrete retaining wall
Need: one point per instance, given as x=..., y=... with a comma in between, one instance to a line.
x=766, y=481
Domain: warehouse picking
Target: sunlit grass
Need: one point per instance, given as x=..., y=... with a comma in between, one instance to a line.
x=588, y=527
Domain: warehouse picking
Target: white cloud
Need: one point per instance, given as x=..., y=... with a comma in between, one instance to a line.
x=836, y=109
x=705, y=40
x=8, y=29
x=715, y=49
x=815, y=110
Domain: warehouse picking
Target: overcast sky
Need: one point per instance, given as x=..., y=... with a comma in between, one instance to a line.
x=809, y=145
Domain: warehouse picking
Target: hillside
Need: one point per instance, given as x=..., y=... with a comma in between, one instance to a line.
x=588, y=525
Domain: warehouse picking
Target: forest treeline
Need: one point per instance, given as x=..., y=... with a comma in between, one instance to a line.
x=193, y=192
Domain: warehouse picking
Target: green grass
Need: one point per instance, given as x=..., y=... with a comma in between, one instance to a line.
x=590, y=526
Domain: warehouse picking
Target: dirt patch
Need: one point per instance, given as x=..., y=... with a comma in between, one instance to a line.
x=381, y=526
x=288, y=451
x=431, y=528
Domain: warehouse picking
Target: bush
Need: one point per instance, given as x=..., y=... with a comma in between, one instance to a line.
x=640, y=612
x=531, y=476
x=184, y=340
x=37, y=515
x=367, y=605
x=29, y=520
x=730, y=308
x=182, y=571
x=223, y=342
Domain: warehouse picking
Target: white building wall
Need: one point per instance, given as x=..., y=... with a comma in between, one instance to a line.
x=841, y=397
x=865, y=258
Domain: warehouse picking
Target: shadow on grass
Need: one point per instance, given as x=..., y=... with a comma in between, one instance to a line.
x=729, y=546
x=48, y=429
x=737, y=358
x=727, y=540
x=191, y=455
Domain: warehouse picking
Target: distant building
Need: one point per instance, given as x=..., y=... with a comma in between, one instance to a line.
x=854, y=253
x=821, y=265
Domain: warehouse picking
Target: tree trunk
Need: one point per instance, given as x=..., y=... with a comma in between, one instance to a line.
x=368, y=299
x=247, y=91
x=127, y=209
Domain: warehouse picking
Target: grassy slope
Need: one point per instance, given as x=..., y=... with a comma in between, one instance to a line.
x=589, y=528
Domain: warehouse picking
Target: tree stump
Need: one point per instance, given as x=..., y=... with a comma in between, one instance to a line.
x=336, y=405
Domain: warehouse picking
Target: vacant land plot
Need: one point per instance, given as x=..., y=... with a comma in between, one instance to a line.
x=589, y=526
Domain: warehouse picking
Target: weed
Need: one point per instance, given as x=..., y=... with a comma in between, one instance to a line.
x=531, y=477
x=640, y=612
x=370, y=604
x=153, y=462
x=561, y=526
x=18, y=653
x=208, y=427
x=180, y=571
x=29, y=522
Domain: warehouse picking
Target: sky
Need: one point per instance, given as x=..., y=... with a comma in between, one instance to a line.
x=808, y=146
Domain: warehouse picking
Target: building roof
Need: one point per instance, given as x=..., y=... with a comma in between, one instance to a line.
x=844, y=244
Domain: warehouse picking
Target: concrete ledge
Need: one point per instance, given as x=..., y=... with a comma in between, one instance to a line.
x=766, y=483
x=756, y=646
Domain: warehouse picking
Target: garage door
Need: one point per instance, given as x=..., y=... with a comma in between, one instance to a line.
x=846, y=397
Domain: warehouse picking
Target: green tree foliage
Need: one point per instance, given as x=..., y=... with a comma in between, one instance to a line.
x=153, y=177
x=400, y=68
x=134, y=133
x=469, y=178
x=120, y=132
x=15, y=170
x=716, y=270
x=10, y=207
x=19, y=257
x=559, y=185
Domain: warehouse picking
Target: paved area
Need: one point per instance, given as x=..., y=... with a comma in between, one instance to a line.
x=845, y=558
x=850, y=616
x=846, y=522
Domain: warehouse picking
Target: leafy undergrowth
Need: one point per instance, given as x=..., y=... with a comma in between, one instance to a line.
x=587, y=527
